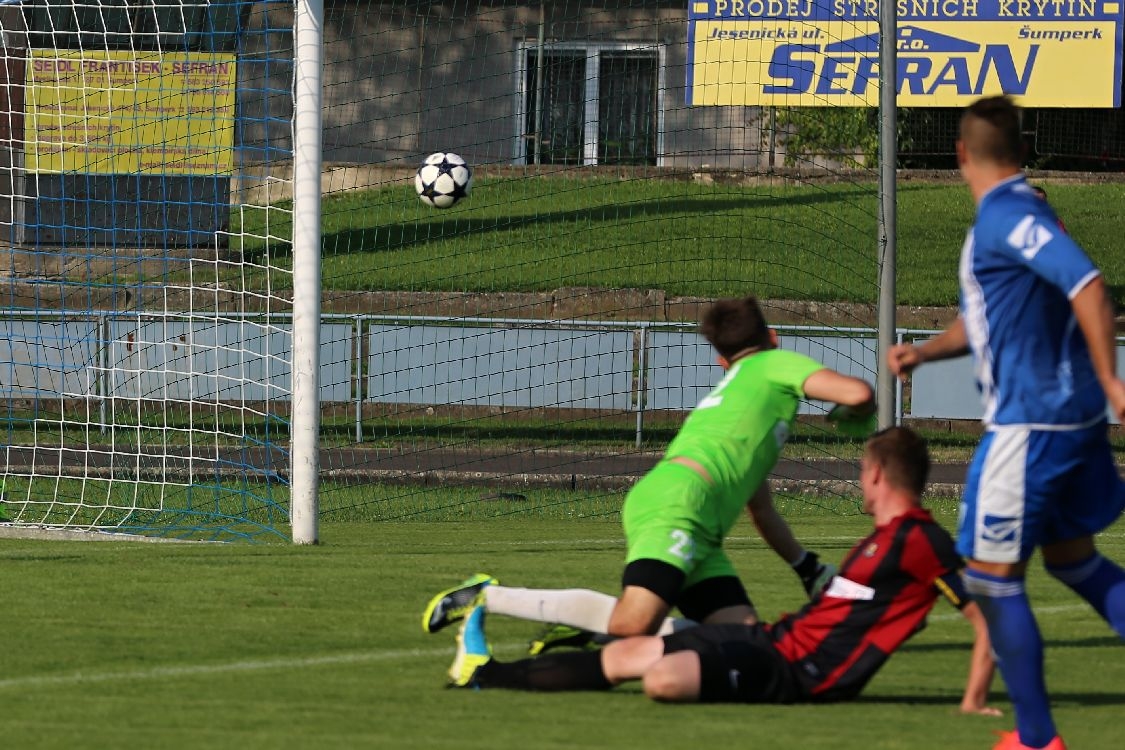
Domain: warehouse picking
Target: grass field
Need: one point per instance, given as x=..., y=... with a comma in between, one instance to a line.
x=815, y=241
x=116, y=644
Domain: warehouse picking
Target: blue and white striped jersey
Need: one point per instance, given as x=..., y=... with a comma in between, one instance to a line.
x=1018, y=273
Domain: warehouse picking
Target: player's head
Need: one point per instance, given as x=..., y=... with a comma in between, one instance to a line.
x=1039, y=191
x=897, y=459
x=734, y=326
x=990, y=134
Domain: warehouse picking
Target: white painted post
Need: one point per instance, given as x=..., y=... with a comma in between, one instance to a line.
x=304, y=456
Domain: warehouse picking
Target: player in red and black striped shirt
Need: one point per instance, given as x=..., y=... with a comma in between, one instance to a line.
x=886, y=585
x=828, y=650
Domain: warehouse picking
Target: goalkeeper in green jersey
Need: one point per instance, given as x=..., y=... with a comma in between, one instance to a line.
x=678, y=514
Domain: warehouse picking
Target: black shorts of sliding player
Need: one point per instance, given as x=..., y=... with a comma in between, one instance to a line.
x=738, y=664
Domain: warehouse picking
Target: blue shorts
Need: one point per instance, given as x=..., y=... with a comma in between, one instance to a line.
x=1028, y=488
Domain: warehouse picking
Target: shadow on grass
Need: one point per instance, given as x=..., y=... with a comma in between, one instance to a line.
x=1095, y=642
x=1117, y=294
x=401, y=235
x=1083, y=699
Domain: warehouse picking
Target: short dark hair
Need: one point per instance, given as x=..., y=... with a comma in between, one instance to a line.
x=990, y=130
x=903, y=455
x=734, y=325
x=1039, y=191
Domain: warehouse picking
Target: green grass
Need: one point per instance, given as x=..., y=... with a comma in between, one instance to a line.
x=275, y=646
x=815, y=241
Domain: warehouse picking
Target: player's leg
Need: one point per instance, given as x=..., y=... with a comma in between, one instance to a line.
x=579, y=608
x=656, y=526
x=629, y=658
x=1095, y=578
x=450, y=606
x=666, y=538
x=1004, y=499
x=1093, y=501
x=713, y=593
x=474, y=666
x=649, y=588
x=721, y=663
x=584, y=609
x=675, y=678
x=702, y=583
x=717, y=600
x=710, y=593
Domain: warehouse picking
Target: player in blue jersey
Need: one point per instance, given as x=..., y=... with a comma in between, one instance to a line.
x=1038, y=321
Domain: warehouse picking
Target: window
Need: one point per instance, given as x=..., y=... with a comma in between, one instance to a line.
x=601, y=104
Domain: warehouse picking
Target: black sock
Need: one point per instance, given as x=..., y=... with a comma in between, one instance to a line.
x=579, y=670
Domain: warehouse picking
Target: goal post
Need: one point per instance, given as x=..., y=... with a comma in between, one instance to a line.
x=307, y=158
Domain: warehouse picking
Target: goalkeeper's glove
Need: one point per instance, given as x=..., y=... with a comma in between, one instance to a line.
x=854, y=422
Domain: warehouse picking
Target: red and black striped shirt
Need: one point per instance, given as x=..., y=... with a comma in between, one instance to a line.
x=886, y=586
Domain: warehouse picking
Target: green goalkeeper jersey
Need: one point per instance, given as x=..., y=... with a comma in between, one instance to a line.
x=737, y=431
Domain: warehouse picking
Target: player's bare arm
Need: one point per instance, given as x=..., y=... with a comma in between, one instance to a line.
x=829, y=385
x=855, y=411
x=771, y=526
x=982, y=666
x=950, y=343
x=1094, y=312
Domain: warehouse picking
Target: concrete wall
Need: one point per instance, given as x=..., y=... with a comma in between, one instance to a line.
x=405, y=79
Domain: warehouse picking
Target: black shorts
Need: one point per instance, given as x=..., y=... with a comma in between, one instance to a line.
x=738, y=663
x=696, y=602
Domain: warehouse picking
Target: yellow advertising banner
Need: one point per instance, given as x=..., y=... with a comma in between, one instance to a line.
x=805, y=53
x=129, y=113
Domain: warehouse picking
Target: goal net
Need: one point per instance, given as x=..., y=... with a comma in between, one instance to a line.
x=528, y=351
x=144, y=359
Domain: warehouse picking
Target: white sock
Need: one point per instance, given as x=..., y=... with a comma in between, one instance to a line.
x=578, y=608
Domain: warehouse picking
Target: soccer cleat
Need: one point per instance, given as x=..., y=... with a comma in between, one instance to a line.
x=453, y=604
x=825, y=572
x=561, y=636
x=473, y=650
x=1011, y=741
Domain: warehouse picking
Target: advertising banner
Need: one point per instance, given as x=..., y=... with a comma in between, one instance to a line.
x=129, y=113
x=815, y=53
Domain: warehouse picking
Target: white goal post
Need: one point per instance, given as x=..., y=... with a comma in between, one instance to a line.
x=307, y=157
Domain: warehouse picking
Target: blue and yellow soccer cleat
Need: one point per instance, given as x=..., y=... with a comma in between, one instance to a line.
x=473, y=651
x=561, y=636
x=453, y=604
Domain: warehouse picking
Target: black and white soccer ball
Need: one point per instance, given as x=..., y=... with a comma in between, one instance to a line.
x=443, y=179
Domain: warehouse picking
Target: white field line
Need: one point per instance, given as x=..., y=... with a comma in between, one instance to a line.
x=810, y=541
x=620, y=541
x=262, y=665
x=1038, y=611
x=196, y=670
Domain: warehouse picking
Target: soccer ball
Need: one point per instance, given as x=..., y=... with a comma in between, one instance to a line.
x=443, y=179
